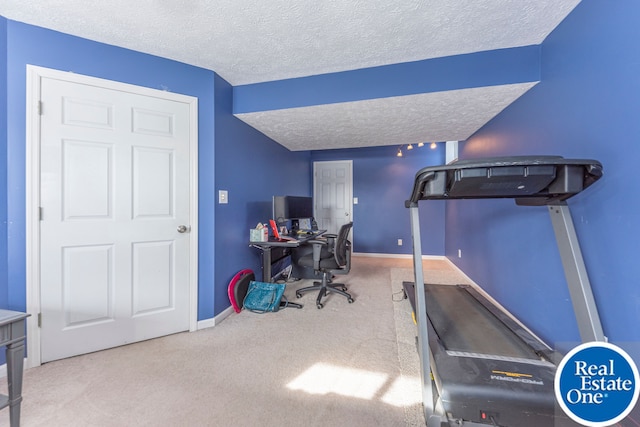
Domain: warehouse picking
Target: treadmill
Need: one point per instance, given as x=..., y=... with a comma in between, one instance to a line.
x=479, y=366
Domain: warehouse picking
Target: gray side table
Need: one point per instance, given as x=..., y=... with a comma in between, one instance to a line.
x=12, y=335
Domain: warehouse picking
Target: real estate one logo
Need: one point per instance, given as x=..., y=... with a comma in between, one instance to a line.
x=597, y=384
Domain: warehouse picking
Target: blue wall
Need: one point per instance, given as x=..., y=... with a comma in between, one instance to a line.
x=586, y=106
x=382, y=182
x=252, y=168
x=4, y=293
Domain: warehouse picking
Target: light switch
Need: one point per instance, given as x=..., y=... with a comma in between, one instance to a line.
x=223, y=196
x=355, y=200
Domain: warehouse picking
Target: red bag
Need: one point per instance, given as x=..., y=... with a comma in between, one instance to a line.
x=238, y=287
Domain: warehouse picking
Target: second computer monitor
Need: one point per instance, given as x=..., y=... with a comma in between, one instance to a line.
x=279, y=209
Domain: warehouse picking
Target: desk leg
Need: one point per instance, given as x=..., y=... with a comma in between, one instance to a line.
x=266, y=264
x=15, y=362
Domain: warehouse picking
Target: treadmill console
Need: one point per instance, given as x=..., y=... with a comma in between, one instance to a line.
x=531, y=180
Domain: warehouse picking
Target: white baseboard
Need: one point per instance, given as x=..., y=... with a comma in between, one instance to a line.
x=400, y=256
x=210, y=323
x=455, y=267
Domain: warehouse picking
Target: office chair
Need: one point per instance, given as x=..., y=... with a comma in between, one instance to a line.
x=330, y=256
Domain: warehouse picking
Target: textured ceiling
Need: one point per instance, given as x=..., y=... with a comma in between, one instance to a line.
x=249, y=41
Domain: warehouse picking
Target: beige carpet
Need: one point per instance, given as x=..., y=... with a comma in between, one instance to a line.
x=345, y=365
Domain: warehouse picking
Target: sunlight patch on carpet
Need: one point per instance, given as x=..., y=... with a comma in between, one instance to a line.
x=323, y=378
x=405, y=391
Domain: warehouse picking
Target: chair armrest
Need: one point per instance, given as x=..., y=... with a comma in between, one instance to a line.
x=331, y=239
x=317, y=251
x=317, y=242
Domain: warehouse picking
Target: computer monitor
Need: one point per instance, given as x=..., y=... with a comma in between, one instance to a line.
x=299, y=207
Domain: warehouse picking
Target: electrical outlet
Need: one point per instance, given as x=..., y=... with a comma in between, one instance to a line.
x=399, y=242
x=459, y=253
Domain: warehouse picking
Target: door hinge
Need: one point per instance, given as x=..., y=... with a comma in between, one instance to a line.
x=39, y=320
x=40, y=211
x=39, y=107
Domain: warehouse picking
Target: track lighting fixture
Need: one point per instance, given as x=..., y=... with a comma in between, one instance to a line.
x=399, y=153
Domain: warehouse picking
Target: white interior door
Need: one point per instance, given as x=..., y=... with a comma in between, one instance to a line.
x=114, y=192
x=332, y=194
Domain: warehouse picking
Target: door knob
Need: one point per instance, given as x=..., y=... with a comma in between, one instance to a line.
x=183, y=228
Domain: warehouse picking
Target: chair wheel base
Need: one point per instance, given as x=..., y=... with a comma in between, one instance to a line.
x=325, y=289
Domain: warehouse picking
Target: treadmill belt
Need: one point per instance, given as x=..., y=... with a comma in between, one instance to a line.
x=463, y=324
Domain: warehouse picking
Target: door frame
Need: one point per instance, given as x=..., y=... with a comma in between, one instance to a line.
x=35, y=74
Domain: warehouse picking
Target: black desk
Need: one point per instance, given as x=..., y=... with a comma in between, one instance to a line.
x=267, y=246
x=12, y=334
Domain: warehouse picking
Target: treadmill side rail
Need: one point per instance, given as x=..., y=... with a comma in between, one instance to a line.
x=584, y=304
x=421, y=315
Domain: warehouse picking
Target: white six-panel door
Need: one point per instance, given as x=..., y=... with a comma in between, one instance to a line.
x=115, y=201
x=332, y=194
